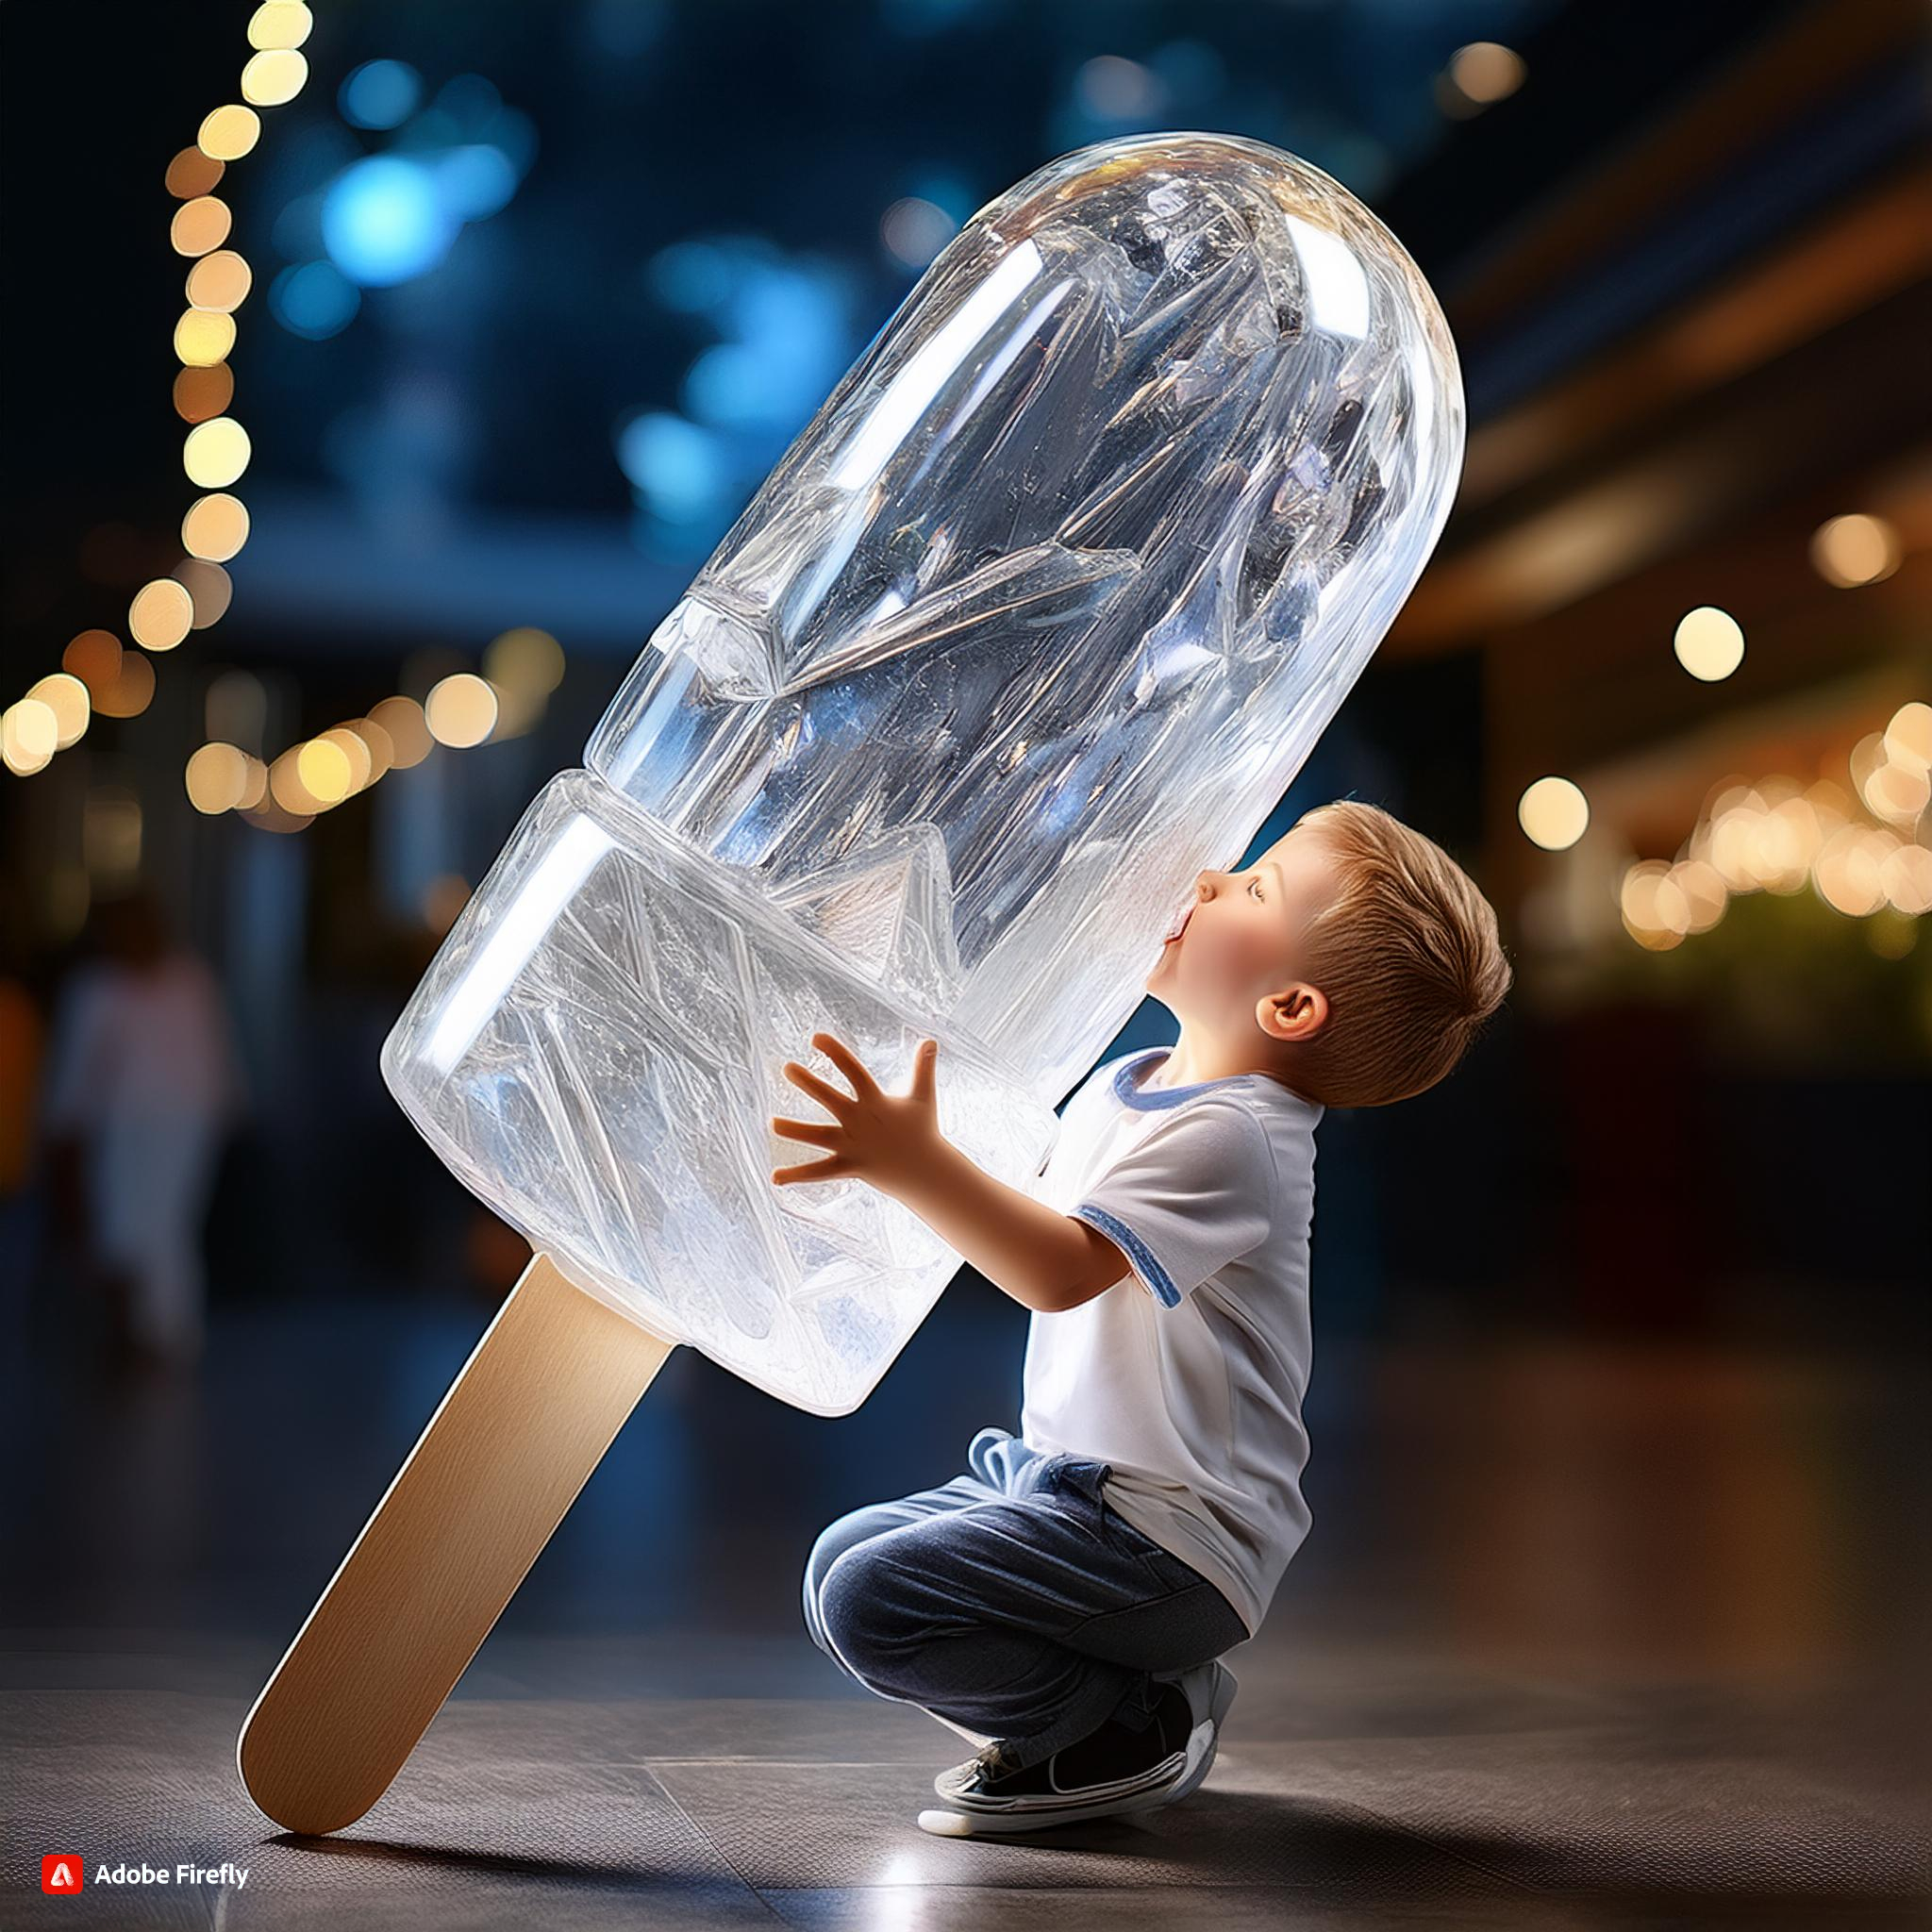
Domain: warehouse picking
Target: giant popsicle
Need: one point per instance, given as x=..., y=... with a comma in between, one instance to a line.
x=1040, y=614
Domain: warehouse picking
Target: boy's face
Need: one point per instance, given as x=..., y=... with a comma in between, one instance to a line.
x=1240, y=939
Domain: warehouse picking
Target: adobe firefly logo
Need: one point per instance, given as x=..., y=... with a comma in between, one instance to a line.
x=62, y=1872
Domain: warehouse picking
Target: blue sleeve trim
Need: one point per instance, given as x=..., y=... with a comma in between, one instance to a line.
x=1135, y=1249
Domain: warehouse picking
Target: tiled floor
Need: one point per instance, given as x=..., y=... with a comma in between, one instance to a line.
x=1581, y=1639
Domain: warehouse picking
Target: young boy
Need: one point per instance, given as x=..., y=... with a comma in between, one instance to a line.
x=1065, y=1603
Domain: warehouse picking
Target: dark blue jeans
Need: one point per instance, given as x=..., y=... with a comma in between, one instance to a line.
x=1012, y=1602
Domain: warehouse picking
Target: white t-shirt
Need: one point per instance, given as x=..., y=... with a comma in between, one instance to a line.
x=1188, y=1375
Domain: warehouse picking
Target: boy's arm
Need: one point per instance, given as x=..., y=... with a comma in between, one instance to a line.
x=1043, y=1258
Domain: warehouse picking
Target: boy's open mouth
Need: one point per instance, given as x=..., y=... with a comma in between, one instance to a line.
x=1180, y=924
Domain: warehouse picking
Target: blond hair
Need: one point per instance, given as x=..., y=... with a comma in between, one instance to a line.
x=1408, y=956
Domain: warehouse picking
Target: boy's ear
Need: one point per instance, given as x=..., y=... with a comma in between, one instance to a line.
x=1295, y=1013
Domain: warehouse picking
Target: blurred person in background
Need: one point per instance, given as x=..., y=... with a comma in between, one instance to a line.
x=144, y=1083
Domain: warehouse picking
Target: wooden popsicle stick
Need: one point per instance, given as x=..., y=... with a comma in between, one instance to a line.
x=537, y=1403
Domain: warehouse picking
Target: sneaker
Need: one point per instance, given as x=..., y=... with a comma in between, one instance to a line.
x=1210, y=1689
x=1112, y=1774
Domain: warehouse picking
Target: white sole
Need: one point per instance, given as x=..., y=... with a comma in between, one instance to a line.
x=970, y=1818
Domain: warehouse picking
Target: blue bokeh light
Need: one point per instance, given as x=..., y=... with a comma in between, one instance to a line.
x=691, y=277
x=475, y=180
x=313, y=299
x=379, y=93
x=674, y=465
x=384, y=220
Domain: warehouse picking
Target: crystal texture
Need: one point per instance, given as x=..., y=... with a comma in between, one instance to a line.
x=1040, y=614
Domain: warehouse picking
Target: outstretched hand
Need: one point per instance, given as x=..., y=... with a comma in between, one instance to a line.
x=887, y=1139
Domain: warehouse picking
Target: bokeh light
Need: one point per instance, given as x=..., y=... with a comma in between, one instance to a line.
x=215, y=528
x=229, y=132
x=202, y=339
x=161, y=616
x=199, y=225
x=133, y=688
x=462, y=711
x=220, y=281
x=216, y=778
x=1486, y=71
x=274, y=77
x=191, y=173
x=1709, y=643
x=314, y=300
x=215, y=453
x=94, y=657
x=279, y=24
x=379, y=93
x=210, y=589
x=66, y=696
x=1554, y=814
x=29, y=736
x=407, y=730
x=383, y=222
x=201, y=394
x=1853, y=550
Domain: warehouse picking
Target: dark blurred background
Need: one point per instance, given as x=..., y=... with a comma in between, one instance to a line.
x=1621, y=1332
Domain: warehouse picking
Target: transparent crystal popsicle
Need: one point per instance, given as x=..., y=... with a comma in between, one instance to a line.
x=1040, y=614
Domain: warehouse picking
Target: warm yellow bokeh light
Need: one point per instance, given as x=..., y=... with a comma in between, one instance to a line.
x=1848, y=874
x=409, y=732
x=1486, y=70
x=1553, y=813
x=133, y=688
x=228, y=133
x=325, y=770
x=1703, y=889
x=1653, y=901
x=1709, y=643
x=193, y=172
x=215, y=528
x=525, y=660
x=200, y=393
x=1853, y=550
x=220, y=281
x=199, y=225
x=354, y=755
x=217, y=778
x=214, y=454
x=1909, y=737
x=1905, y=876
x=274, y=77
x=1898, y=792
x=279, y=24
x=161, y=616
x=285, y=786
x=460, y=711
x=94, y=657
x=378, y=750
x=254, y=784
x=203, y=337
x=209, y=589
x=30, y=735
x=66, y=696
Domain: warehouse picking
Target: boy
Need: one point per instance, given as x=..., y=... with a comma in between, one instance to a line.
x=1065, y=1603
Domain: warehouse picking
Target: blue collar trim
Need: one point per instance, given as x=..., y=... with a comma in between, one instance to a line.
x=1144, y=1100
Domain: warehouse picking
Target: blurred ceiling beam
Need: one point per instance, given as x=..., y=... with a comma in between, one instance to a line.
x=1843, y=265
x=1814, y=54
x=1785, y=214
x=1834, y=404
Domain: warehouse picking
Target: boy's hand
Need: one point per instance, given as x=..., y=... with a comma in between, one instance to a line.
x=887, y=1139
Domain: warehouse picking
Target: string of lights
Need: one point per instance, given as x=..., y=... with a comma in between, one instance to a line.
x=101, y=674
